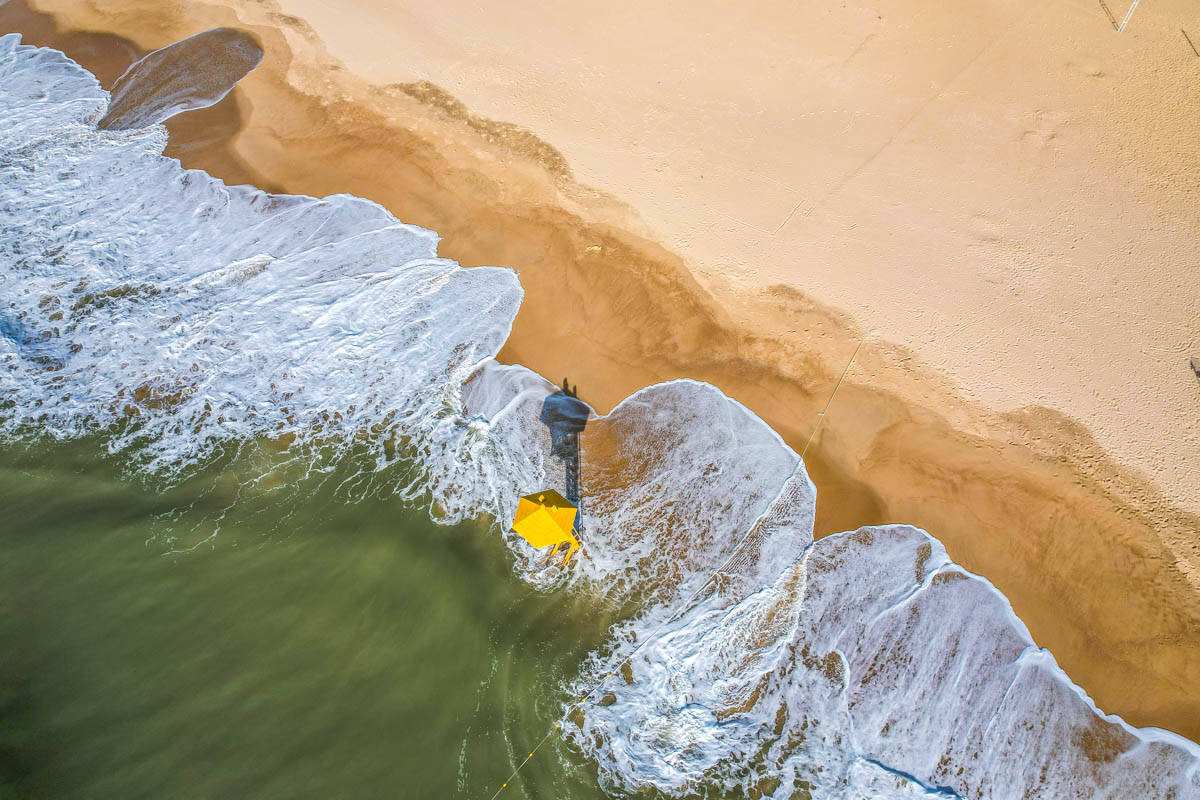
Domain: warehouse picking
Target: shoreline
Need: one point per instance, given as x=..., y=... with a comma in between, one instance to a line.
x=1041, y=511
x=1007, y=189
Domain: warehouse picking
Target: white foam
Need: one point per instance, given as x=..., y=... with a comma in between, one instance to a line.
x=196, y=315
x=872, y=667
x=184, y=318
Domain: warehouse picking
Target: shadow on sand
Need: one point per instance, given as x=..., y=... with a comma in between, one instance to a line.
x=566, y=415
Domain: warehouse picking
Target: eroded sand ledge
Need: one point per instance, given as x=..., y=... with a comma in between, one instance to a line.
x=1101, y=568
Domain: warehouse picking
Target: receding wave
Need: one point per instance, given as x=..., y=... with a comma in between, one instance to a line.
x=182, y=319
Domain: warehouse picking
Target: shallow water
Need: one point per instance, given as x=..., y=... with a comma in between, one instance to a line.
x=313, y=648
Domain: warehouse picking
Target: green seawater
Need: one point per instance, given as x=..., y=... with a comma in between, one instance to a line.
x=225, y=637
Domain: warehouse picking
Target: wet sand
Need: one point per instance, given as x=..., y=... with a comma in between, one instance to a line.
x=1099, y=565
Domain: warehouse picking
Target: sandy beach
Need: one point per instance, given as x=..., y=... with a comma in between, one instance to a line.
x=1001, y=199
x=1007, y=188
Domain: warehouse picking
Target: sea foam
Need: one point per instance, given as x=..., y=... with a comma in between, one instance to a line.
x=182, y=318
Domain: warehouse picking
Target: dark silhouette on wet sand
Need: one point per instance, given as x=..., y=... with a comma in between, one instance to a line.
x=566, y=415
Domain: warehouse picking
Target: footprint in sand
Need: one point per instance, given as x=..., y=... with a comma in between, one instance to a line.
x=1038, y=140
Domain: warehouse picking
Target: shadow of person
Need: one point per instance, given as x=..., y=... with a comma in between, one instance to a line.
x=566, y=415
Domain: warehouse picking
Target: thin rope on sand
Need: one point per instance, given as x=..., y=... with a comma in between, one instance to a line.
x=821, y=416
x=1128, y=14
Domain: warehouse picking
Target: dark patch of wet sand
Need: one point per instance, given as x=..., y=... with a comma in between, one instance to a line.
x=195, y=73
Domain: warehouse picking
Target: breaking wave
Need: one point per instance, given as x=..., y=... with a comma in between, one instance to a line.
x=182, y=318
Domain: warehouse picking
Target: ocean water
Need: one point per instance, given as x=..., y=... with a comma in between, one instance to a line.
x=313, y=648
x=226, y=343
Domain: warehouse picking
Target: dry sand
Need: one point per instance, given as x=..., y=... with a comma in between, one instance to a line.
x=1005, y=195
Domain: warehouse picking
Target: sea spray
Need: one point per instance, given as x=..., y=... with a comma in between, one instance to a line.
x=179, y=317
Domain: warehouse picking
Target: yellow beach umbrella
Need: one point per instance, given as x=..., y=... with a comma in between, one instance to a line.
x=547, y=518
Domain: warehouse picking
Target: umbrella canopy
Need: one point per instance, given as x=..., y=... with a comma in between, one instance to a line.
x=547, y=518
